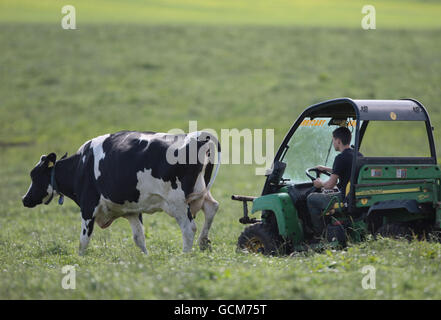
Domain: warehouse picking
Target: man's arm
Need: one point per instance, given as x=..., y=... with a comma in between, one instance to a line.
x=323, y=168
x=330, y=184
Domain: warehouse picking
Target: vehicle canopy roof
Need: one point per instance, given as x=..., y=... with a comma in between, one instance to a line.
x=376, y=110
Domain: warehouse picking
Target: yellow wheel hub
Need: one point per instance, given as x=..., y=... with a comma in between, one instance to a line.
x=254, y=244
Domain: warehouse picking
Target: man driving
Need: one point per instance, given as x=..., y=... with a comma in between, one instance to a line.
x=340, y=175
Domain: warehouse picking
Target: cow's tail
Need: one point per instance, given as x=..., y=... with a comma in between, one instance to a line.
x=208, y=177
x=210, y=165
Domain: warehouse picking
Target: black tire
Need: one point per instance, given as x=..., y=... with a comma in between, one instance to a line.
x=425, y=230
x=259, y=238
x=336, y=233
x=395, y=230
x=433, y=235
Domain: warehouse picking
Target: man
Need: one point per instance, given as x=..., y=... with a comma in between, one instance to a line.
x=340, y=171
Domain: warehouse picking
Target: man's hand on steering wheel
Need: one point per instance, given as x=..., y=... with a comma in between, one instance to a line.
x=318, y=183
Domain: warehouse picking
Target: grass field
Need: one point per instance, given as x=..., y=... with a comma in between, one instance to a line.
x=60, y=88
x=409, y=14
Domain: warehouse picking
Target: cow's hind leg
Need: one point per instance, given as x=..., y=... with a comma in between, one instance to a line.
x=210, y=207
x=138, y=231
x=188, y=228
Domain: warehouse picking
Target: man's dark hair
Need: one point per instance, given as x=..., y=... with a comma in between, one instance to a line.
x=342, y=133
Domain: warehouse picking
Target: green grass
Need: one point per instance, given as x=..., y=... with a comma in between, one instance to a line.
x=319, y=13
x=60, y=88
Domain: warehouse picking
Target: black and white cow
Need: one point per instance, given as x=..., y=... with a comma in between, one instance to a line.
x=129, y=173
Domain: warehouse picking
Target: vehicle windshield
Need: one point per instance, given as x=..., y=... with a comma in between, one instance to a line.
x=310, y=146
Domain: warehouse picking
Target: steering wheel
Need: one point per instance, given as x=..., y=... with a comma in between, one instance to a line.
x=317, y=173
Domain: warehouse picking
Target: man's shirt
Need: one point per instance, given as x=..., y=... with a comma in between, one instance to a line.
x=342, y=167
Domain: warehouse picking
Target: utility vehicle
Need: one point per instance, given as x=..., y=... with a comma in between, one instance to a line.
x=394, y=188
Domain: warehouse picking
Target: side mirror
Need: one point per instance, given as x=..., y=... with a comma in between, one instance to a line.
x=277, y=173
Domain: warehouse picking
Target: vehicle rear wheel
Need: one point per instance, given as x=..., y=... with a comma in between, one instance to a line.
x=395, y=230
x=258, y=238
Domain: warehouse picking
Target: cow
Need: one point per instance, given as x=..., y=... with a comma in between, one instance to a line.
x=128, y=173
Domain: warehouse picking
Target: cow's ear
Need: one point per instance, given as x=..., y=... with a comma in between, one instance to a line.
x=50, y=159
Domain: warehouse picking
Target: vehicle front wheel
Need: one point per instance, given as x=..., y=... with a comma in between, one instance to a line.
x=258, y=238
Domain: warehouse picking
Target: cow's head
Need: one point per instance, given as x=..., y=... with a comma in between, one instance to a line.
x=40, y=189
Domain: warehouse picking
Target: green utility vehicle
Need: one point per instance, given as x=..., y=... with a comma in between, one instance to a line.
x=394, y=188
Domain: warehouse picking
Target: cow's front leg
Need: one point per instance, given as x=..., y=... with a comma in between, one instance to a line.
x=86, y=233
x=188, y=228
x=90, y=206
x=135, y=221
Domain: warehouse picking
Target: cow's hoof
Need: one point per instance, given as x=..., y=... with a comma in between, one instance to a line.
x=205, y=244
